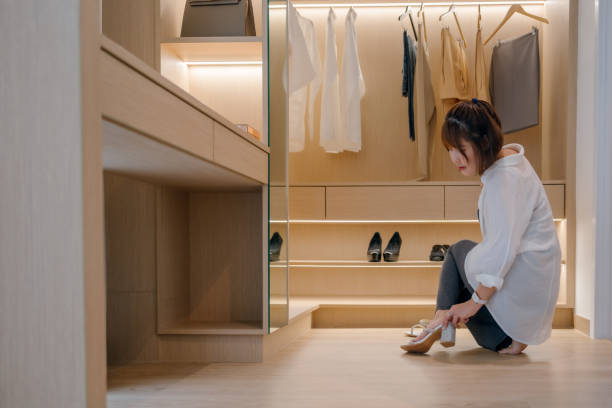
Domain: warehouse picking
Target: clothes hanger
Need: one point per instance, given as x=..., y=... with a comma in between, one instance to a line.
x=511, y=11
x=421, y=15
x=451, y=9
x=408, y=12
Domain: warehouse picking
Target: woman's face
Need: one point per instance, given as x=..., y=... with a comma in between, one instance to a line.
x=466, y=167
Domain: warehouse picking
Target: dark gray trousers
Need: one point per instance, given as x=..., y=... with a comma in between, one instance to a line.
x=454, y=288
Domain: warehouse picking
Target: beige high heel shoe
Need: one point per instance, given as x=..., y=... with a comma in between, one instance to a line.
x=445, y=335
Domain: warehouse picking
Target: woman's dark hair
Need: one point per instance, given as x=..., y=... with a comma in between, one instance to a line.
x=477, y=123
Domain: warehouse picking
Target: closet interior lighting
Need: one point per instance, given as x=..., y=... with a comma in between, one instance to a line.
x=223, y=63
x=383, y=221
x=413, y=4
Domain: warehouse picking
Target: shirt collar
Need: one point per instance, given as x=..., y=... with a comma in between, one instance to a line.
x=511, y=160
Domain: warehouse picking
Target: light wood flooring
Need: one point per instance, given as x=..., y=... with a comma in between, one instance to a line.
x=366, y=368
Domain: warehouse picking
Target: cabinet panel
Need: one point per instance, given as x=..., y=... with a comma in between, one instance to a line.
x=556, y=198
x=385, y=202
x=307, y=203
x=132, y=100
x=461, y=202
x=233, y=152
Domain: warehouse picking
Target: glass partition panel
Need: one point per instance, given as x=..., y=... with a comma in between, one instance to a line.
x=278, y=199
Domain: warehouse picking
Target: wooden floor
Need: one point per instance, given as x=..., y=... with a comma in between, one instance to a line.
x=366, y=368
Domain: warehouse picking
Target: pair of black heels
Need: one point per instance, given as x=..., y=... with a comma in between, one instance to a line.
x=391, y=253
x=438, y=252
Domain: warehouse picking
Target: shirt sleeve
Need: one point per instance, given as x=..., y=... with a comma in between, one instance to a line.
x=506, y=211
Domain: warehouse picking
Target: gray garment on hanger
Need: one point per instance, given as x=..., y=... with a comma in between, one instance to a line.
x=514, y=81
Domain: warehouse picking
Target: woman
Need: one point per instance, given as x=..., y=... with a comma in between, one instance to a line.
x=515, y=270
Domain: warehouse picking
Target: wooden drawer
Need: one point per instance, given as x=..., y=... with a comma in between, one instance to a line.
x=556, y=198
x=278, y=206
x=386, y=202
x=307, y=203
x=461, y=202
x=235, y=153
x=136, y=102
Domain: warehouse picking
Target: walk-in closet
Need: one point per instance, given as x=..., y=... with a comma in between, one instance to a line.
x=337, y=201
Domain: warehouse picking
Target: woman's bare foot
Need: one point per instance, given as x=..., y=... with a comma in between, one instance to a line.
x=514, y=348
x=438, y=318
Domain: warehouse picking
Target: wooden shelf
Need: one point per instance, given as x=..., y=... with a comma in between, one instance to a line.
x=207, y=49
x=227, y=328
x=356, y=264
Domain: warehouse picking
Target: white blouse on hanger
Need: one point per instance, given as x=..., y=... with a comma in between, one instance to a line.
x=352, y=86
x=304, y=77
x=330, y=133
x=520, y=253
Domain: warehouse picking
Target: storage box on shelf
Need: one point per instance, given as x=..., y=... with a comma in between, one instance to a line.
x=331, y=225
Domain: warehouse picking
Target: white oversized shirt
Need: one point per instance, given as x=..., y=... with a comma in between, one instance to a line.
x=520, y=253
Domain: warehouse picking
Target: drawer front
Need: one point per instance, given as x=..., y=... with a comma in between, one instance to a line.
x=135, y=102
x=461, y=202
x=235, y=153
x=386, y=202
x=556, y=198
x=278, y=206
x=307, y=203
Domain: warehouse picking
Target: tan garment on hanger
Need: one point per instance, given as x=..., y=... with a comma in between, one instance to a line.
x=424, y=103
x=455, y=81
x=481, y=84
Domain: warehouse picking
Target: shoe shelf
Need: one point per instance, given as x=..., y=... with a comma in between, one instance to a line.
x=355, y=264
x=194, y=50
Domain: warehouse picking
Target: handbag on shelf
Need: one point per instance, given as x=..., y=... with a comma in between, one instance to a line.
x=218, y=18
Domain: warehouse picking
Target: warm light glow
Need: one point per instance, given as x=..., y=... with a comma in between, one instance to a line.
x=383, y=221
x=440, y=3
x=223, y=63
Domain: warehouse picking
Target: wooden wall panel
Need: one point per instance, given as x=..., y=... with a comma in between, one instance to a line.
x=386, y=202
x=556, y=198
x=130, y=218
x=172, y=256
x=134, y=25
x=225, y=256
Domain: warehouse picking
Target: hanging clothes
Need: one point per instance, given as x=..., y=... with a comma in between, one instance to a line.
x=408, y=79
x=304, y=76
x=514, y=81
x=481, y=88
x=455, y=84
x=425, y=105
x=352, y=87
x=330, y=128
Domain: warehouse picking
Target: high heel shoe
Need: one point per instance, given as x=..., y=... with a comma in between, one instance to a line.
x=445, y=335
x=374, y=248
x=275, y=247
x=392, y=250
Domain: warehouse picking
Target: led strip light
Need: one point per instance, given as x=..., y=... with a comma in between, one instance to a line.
x=439, y=4
x=220, y=63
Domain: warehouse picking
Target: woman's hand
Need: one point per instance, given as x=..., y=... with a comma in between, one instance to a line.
x=461, y=313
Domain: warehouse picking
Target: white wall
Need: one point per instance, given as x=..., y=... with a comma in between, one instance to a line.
x=42, y=302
